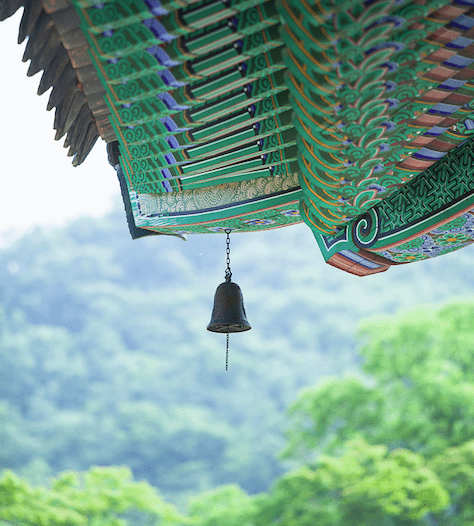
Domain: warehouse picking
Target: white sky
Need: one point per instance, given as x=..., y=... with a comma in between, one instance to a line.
x=39, y=184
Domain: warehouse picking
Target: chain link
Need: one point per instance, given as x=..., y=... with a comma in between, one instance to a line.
x=227, y=353
x=228, y=273
x=228, y=276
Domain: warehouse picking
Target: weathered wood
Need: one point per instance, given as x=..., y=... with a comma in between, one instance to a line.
x=66, y=81
x=88, y=75
x=73, y=39
x=57, y=45
x=79, y=56
x=101, y=116
x=38, y=36
x=109, y=136
x=32, y=11
x=54, y=70
x=66, y=20
x=9, y=8
x=96, y=100
x=76, y=104
x=78, y=129
x=101, y=111
x=86, y=146
x=51, y=6
x=62, y=112
x=46, y=54
x=107, y=133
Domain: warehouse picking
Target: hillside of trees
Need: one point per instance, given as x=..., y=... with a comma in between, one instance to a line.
x=390, y=446
x=105, y=359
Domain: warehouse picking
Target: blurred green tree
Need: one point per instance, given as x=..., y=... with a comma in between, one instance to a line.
x=417, y=392
x=455, y=467
x=365, y=486
x=228, y=505
x=98, y=497
x=392, y=448
x=412, y=412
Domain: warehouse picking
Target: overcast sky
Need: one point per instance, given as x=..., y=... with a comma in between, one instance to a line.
x=39, y=184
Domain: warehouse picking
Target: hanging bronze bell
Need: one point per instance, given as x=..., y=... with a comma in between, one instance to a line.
x=228, y=313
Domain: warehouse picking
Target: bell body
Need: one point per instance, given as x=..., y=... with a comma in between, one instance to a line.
x=228, y=313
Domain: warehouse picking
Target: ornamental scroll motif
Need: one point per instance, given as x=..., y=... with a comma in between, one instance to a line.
x=420, y=220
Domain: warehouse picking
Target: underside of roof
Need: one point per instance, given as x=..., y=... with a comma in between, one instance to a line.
x=355, y=117
x=57, y=46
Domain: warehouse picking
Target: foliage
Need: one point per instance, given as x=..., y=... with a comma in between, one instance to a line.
x=362, y=461
x=367, y=485
x=414, y=405
x=418, y=393
x=227, y=505
x=348, y=433
x=99, y=497
x=455, y=467
x=105, y=360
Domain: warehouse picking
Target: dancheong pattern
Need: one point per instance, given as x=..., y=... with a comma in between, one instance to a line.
x=356, y=117
x=201, y=110
x=429, y=216
x=455, y=234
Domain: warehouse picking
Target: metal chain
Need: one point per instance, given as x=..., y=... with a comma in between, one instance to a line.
x=228, y=276
x=227, y=353
x=228, y=273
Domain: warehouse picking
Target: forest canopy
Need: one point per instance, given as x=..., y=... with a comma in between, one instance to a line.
x=394, y=446
x=105, y=361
